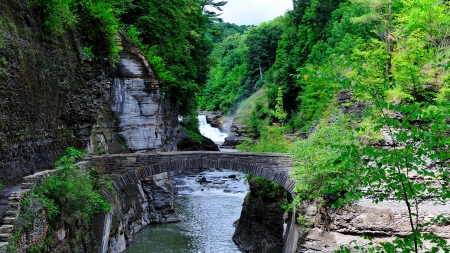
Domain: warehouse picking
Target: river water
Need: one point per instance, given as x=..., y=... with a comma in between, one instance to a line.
x=209, y=203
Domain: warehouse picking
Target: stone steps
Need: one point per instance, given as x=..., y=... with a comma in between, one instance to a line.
x=12, y=212
x=5, y=237
x=6, y=229
x=4, y=247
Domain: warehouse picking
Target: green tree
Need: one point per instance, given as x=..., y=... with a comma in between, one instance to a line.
x=172, y=34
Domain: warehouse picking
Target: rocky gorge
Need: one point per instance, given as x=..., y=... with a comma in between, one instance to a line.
x=54, y=95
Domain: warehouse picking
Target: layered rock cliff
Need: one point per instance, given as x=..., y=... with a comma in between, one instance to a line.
x=261, y=224
x=50, y=92
x=54, y=95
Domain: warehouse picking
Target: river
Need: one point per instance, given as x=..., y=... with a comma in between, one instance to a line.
x=209, y=203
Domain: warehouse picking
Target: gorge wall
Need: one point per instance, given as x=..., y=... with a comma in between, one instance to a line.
x=53, y=95
x=134, y=207
x=50, y=91
x=260, y=226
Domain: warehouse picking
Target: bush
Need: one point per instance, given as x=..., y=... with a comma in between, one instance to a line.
x=72, y=191
x=272, y=139
x=319, y=155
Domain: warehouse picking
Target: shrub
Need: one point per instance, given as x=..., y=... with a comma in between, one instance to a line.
x=319, y=155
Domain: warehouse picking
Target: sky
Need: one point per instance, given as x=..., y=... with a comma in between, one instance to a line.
x=253, y=12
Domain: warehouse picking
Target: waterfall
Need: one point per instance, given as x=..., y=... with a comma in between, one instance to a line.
x=210, y=132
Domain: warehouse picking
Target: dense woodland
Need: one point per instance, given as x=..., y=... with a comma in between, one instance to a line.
x=368, y=80
x=389, y=59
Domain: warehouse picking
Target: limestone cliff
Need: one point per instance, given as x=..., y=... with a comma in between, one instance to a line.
x=145, y=120
x=136, y=206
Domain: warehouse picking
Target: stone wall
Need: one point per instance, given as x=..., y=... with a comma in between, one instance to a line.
x=132, y=208
x=384, y=221
x=36, y=232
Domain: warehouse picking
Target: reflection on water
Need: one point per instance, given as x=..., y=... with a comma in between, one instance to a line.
x=208, y=215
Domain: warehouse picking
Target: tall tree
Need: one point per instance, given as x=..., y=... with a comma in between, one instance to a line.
x=380, y=12
x=173, y=35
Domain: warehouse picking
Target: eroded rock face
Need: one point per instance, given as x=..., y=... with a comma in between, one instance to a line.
x=50, y=94
x=136, y=206
x=214, y=118
x=187, y=144
x=384, y=221
x=261, y=224
x=145, y=120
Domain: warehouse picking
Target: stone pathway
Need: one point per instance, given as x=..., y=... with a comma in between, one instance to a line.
x=10, y=199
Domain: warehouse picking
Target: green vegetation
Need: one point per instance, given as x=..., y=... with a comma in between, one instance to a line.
x=175, y=36
x=241, y=61
x=98, y=19
x=268, y=188
x=318, y=155
x=389, y=61
x=70, y=198
x=71, y=191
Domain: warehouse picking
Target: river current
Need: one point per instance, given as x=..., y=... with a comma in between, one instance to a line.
x=208, y=202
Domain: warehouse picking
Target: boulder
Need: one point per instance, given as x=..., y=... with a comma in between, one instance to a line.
x=232, y=141
x=185, y=143
x=214, y=118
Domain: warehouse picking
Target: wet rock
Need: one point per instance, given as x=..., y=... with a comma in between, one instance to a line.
x=350, y=106
x=232, y=141
x=214, y=118
x=260, y=226
x=185, y=143
x=138, y=105
x=136, y=206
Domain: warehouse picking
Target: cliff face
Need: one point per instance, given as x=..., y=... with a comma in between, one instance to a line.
x=260, y=227
x=50, y=92
x=145, y=120
x=383, y=221
x=53, y=95
x=136, y=206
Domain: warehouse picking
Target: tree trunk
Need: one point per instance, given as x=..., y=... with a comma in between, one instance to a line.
x=389, y=43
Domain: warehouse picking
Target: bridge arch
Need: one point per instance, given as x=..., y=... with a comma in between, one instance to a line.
x=127, y=169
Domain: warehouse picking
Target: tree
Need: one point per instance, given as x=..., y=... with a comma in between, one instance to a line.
x=209, y=8
x=380, y=12
x=172, y=34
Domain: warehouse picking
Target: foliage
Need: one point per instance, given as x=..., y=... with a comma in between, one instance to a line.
x=241, y=63
x=254, y=113
x=72, y=191
x=220, y=31
x=279, y=112
x=71, y=196
x=318, y=156
x=272, y=139
x=267, y=188
x=191, y=127
x=97, y=18
x=177, y=47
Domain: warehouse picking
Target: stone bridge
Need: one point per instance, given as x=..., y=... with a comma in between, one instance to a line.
x=126, y=169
